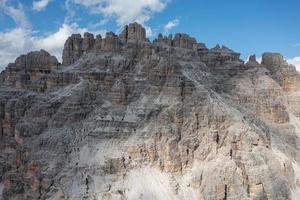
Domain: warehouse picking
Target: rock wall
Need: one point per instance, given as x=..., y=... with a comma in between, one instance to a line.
x=133, y=119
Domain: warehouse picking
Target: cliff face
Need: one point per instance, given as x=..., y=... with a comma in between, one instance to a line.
x=124, y=118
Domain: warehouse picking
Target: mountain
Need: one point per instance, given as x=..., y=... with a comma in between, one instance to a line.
x=126, y=118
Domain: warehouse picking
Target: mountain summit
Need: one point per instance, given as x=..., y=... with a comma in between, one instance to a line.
x=126, y=118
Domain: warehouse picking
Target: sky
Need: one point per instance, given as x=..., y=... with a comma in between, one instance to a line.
x=248, y=27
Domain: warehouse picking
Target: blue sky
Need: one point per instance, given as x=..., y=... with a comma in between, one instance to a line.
x=248, y=27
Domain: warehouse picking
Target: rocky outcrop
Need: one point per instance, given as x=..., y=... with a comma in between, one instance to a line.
x=133, y=32
x=111, y=42
x=36, y=60
x=285, y=74
x=273, y=61
x=88, y=42
x=98, y=43
x=133, y=119
x=163, y=41
x=29, y=68
x=252, y=62
x=72, y=49
x=184, y=41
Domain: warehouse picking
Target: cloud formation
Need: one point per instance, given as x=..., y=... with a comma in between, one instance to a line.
x=124, y=11
x=295, y=61
x=40, y=5
x=19, y=41
x=171, y=24
x=16, y=13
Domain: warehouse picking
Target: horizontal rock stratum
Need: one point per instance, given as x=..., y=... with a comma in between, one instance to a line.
x=126, y=118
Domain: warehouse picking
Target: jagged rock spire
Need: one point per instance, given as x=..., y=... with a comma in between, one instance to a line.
x=252, y=61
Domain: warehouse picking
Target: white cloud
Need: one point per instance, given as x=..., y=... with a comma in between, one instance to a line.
x=54, y=43
x=20, y=41
x=16, y=13
x=171, y=24
x=12, y=44
x=40, y=5
x=124, y=11
x=295, y=61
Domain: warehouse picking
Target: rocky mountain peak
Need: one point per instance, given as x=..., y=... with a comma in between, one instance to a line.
x=184, y=41
x=29, y=67
x=252, y=61
x=126, y=118
x=272, y=59
x=133, y=32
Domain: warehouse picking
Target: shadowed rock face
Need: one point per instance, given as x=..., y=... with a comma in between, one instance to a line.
x=126, y=118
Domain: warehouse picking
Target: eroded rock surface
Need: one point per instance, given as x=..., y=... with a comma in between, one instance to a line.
x=124, y=118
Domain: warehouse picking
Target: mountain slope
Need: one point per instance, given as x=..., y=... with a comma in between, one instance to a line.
x=126, y=118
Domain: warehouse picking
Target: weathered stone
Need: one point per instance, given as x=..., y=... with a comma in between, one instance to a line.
x=88, y=42
x=30, y=67
x=163, y=41
x=131, y=118
x=133, y=32
x=72, y=49
x=272, y=60
x=111, y=42
x=98, y=43
x=184, y=41
x=286, y=75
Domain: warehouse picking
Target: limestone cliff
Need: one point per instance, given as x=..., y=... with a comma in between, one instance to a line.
x=126, y=118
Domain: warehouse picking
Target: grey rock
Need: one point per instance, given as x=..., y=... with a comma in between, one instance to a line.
x=133, y=32
x=184, y=41
x=72, y=49
x=88, y=42
x=98, y=43
x=111, y=42
x=170, y=119
x=252, y=61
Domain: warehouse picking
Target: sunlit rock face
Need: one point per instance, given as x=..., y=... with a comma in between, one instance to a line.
x=126, y=118
x=286, y=75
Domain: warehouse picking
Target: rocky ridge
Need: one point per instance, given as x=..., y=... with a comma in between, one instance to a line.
x=126, y=118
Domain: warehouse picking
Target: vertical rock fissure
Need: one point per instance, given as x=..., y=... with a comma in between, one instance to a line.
x=225, y=192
